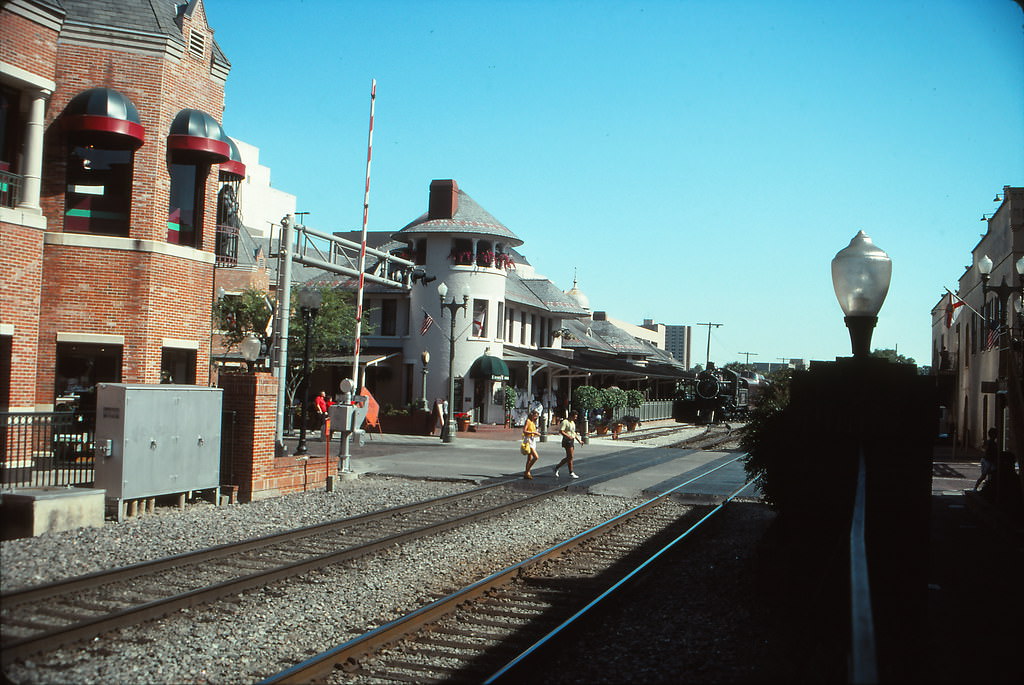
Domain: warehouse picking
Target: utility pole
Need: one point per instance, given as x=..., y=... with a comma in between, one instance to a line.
x=748, y=355
x=707, y=358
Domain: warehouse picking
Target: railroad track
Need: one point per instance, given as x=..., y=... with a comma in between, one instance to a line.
x=493, y=628
x=44, y=617
x=713, y=436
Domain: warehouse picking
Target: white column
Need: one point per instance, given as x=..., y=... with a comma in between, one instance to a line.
x=32, y=170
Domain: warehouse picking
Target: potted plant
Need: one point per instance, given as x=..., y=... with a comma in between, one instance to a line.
x=634, y=398
x=511, y=396
x=586, y=398
x=462, y=419
x=484, y=258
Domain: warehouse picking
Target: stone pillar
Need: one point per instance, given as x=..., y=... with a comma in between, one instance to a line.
x=248, y=441
x=32, y=170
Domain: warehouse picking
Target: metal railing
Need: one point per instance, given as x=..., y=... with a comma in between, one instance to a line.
x=46, y=449
x=863, y=648
x=227, y=245
x=655, y=410
x=10, y=188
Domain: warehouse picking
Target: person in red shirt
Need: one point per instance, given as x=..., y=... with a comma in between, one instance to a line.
x=321, y=405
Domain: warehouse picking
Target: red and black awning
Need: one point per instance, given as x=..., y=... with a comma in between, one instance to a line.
x=104, y=117
x=233, y=169
x=197, y=138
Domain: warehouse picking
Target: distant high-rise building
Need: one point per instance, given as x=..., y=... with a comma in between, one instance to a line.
x=677, y=342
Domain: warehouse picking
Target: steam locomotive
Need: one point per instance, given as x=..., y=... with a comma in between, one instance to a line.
x=716, y=395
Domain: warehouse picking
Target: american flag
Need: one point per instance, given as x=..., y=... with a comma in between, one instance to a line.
x=993, y=335
x=428, y=321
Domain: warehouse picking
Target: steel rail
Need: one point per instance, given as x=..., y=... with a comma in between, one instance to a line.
x=100, y=578
x=163, y=606
x=509, y=668
x=320, y=665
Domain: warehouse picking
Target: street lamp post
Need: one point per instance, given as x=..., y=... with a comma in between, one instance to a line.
x=250, y=349
x=425, y=358
x=860, y=276
x=448, y=430
x=1003, y=292
x=309, y=306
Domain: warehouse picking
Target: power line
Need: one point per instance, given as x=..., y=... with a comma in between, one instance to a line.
x=748, y=355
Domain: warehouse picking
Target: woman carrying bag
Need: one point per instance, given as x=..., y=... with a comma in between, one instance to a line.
x=529, y=448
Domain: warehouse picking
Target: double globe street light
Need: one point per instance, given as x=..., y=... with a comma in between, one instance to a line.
x=448, y=429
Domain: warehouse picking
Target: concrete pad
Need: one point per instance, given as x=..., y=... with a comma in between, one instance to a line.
x=34, y=511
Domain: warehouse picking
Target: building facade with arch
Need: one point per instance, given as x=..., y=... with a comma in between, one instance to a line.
x=112, y=160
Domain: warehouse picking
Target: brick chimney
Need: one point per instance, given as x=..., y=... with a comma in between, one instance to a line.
x=444, y=199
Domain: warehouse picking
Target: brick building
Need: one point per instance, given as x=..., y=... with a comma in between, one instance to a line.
x=112, y=159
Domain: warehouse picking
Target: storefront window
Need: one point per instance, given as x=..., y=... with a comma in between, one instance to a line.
x=99, y=184
x=80, y=367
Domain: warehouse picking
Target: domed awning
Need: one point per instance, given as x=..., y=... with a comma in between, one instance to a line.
x=233, y=169
x=197, y=138
x=489, y=368
x=105, y=117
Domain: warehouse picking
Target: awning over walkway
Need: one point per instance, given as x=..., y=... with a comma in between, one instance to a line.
x=593, y=364
x=490, y=368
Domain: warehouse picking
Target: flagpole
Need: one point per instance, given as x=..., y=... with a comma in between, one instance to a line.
x=963, y=302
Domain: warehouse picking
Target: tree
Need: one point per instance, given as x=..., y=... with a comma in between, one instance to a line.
x=614, y=399
x=634, y=398
x=892, y=356
x=766, y=439
x=239, y=315
x=332, y=332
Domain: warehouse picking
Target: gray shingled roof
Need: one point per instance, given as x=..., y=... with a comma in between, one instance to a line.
x=547, y=292
x=470, y=219
x=147, y=16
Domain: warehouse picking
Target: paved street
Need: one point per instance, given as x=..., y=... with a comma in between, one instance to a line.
x=624, y=468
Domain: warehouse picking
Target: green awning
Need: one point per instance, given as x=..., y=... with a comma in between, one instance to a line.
x=489, y=368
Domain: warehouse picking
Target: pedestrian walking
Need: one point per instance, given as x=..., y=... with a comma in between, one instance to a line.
x=990, y=461
x=567, y=429
x=321, y=409
x=530, y=434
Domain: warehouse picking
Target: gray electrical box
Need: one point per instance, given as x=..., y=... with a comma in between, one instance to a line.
x=156, y=440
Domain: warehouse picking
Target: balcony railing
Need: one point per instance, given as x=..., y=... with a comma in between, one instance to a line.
x=227, y=246
x=10, y=188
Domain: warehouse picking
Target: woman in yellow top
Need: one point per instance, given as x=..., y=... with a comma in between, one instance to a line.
x=567, y=429
x=530, y=434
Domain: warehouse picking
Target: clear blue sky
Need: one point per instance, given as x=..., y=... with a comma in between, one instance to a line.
x=695, y=161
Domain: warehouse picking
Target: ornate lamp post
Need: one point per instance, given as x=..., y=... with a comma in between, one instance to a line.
x=425, y=358
x=309, y=306
x=860, y=276
x=1003, y=292
x=250, y=349
x=448, y=430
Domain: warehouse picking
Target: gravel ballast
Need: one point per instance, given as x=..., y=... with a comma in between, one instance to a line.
x=258, y=633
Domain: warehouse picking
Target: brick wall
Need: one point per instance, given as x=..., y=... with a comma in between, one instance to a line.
x=27, y=45
x=119, y=287
x=251, y=461
x=21, y=249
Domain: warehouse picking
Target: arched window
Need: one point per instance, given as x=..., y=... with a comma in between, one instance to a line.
x=103, y=132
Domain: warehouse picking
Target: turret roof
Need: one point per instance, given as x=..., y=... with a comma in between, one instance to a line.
x=470, y=219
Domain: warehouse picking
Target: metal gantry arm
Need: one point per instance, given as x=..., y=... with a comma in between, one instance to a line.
x=342, y=257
